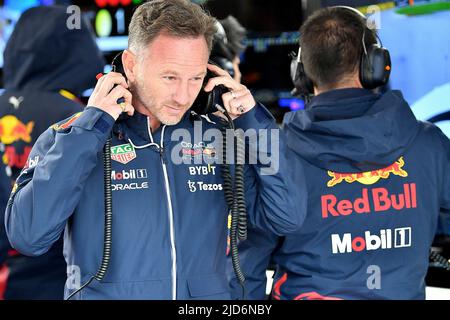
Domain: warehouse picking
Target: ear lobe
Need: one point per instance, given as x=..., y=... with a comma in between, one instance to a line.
x=129, y=64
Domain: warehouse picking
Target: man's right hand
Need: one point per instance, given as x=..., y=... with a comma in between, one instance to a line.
x=108, y=90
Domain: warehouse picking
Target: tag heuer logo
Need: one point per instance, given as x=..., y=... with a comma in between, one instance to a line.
x=123, y=153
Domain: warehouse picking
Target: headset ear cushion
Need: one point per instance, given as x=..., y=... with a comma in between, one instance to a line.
x=303, y=85
x=305, y=82
x=375, y=67
x=224, y=63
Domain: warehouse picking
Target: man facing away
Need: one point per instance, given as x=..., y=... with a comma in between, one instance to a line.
x=376, y=177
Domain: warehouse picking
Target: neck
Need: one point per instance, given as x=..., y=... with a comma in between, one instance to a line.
x=345, y=83
x=154, y=122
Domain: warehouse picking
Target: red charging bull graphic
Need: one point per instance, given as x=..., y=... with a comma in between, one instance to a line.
x=369, y=177
x=371, y=200
x=14, y=159
x=276, y=294
x=13, y=130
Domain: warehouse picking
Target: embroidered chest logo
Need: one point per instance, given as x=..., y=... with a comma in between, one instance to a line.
x=123, y=153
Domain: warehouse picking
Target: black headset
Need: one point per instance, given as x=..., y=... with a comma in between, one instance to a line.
x=374, y=69
x=220, y=53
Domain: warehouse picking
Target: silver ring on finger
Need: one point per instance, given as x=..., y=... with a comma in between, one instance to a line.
x=241, y=109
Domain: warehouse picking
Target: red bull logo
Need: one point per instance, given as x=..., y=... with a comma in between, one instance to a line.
x=209, y=151
x=381, y=200
x=199, y=150
x=12, y=130
x=276, y=292
x=369, y=177
x=12, y=158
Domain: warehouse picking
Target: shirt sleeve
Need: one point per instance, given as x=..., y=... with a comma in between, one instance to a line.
x=268, y=198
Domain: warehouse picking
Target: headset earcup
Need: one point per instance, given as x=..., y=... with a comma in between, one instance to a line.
x=224, y=63
x=306, y=85
x=375, y=67
x=303, y=85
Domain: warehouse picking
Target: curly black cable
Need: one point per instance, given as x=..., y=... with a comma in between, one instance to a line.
x=108, y=220
x=108, y=212
x=232, y=201
x=440, y=260
x=234, y=247
x=238, y=192
x=239, y=186
x=226, y=172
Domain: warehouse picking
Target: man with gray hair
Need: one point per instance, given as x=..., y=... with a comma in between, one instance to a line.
x=167, y=237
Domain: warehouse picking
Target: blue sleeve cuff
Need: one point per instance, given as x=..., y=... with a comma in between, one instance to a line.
x=258, y=117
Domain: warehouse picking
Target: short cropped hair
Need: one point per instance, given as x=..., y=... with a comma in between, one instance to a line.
x=179, y=18
x=331, y=42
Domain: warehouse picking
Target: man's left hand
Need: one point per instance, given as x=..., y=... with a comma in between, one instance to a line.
x=238, y=100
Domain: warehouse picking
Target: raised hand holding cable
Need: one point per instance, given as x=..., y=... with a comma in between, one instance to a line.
x=238, y=100
x=107, y=93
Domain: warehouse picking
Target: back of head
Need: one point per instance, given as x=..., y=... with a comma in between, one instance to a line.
x=332, y=45
x=178, y=18
x=45, y=53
